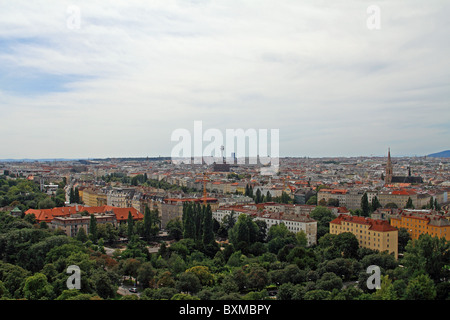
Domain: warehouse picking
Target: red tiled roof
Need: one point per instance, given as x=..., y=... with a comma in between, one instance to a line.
x=376, y=225
x=47, y=215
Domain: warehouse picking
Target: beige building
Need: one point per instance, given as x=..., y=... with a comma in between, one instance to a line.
x=353, y=199
x=94, y=197
x=73, y=223
x=399, y=197
x=372, y=234
x=172, y=208
x=338, y=194
x=120, y=197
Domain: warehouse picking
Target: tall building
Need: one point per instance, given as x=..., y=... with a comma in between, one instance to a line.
x=372, y=234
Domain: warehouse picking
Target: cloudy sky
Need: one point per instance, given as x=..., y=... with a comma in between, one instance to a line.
x=115, y=79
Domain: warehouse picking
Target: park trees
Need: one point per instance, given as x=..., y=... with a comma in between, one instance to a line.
x=323, y=216
x=151, y=222
x=244, y=233
x=197, y=224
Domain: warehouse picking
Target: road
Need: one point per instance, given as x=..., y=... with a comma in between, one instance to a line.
x=123, y=290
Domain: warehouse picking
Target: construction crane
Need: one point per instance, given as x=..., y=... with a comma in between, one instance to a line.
x=205, y=179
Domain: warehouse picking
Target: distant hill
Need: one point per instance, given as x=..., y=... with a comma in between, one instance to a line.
x=442, y=154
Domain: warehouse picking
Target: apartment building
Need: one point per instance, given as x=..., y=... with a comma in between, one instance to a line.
x=93, y=197
x=295, y=222
x=417, y=223
x=353, y=199
x=399, y=197
x=172, y=208
x=373, y=234
x=120, y=197
x=338, y=194
x=73, y=223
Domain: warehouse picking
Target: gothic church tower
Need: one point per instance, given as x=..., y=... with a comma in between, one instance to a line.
x=388, y=176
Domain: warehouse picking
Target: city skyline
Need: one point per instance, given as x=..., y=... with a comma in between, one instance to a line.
x=82, y=80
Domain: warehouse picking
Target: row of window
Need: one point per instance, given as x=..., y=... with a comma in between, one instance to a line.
x=360, y=231
x=368, y=244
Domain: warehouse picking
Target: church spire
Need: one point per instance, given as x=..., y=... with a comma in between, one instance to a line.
x=388, y=176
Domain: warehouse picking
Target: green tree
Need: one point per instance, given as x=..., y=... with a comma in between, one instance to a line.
x=437, y=206
x=208, y=234
x=188, y=220
x=227, y=223
x=329, y=281
x=409, y=204
x=420, y=288
x=347, y=244
x=257, y=277
x=130, y=226
x=428, y=254
x=403, y=238
x=391, y=205
x=93, y=228
x=71, y=196
x=188, y=282
x=46, y=203
x=76, y=195
x=285, y=198
x=312, y=200
x=103, y=285
x=302, y=239
x=365, y=205
x=333, y=202
x=146, y=275
x=431, y=203
x=4, y=293
x=258, y=197
x=244, y=232
x=317, y=294
x=37, y=287
x=175, y=228
x=81, y=235
x=323, y=216
x=150, y=225
x=375, y=204
x=203, y=274
x=387, y=290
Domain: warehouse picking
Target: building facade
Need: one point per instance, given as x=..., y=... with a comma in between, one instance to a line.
x=294, y=222
x=73, y=223
x=416, y=224
x=372, y=234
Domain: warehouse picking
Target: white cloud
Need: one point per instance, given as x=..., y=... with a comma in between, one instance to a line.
x=143, y=69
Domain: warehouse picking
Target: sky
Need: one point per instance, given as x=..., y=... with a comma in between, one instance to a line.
x=97, y=79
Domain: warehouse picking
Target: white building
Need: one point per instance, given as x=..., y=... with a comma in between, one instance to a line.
x=294, y=222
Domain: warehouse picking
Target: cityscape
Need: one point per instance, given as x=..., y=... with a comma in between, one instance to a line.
x=225, y=158
x=226, y=231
